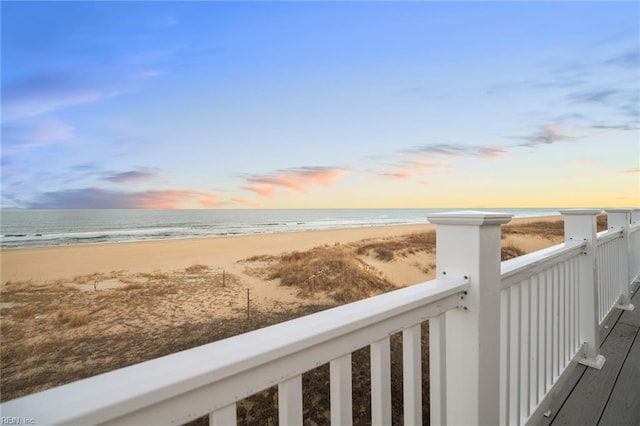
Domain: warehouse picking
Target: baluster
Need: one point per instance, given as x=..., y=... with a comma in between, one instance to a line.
x=535, y=339
x=505, y=347
x=381, y=382
x=549, y=332
x=561, y=323
x=290, y=402
x=514, y=355
x=542, y=339
x=224, y=416
x=566, y=303
x=525, y=348
x=412, y=374
x=437, y=370
x=341, y=395
x=555, y=324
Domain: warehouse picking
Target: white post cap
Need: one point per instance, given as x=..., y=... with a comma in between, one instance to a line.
x=469, y=217
x=582, y=212
x=619, y=210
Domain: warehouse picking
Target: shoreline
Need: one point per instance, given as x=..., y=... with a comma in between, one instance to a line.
x=62, y=262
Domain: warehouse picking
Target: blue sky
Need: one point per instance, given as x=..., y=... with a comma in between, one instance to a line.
x=320, y=104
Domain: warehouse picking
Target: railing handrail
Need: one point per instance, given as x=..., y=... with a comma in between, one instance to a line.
x=123, y=392
x=522, y=267
x=606, y=236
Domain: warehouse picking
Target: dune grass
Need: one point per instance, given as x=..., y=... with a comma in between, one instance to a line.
x=73, y=318
x=335, y=271
x=550, y=229
x=55, y=333
x=389, y=248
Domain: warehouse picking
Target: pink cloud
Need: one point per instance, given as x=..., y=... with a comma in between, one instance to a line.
x=295, y=179
x=262, y=190
x=490, y=152
x=399, y=175
x=416, y=168
x=172, y=198
x=287, y=181
x=99, y=198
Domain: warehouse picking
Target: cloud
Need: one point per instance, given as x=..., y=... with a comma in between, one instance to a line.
x=417, y=168
x=44, y=94
x=549, y=134
x=630, y=171
x=594, y=96
x=459, y=150
x=146, y=74
x=98, y=198
x=296, y=179
x=613, y=127
x=32, y=133
x=629, y=59
x=133, y=176
x=263, y=191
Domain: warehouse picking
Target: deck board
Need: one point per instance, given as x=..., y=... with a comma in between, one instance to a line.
x=563, y=393
x=608, y=325
x=623, y=407
x=632, y=318
x=589, y=398
x=610, y=396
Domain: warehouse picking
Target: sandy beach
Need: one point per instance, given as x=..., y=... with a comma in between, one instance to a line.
x=74, y=311
x=51, y=263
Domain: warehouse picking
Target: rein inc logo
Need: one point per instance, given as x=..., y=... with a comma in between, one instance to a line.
x=17, y=421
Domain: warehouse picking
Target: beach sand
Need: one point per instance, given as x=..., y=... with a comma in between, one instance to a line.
x=75, y=311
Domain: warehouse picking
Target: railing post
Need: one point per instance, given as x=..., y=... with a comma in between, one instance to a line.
x=468, y=244
x=618, y=220
x=580, y=225
x=634, y=253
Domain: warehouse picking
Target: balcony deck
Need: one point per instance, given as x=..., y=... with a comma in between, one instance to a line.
x=610, y=396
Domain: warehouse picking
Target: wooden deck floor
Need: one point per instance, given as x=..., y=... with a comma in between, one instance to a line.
x=610, y=396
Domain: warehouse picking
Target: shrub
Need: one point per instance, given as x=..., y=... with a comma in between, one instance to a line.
x=196, y=269
x=24, y=312
x=73, y=318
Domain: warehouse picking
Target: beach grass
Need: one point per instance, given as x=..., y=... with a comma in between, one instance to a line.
x=335, y=271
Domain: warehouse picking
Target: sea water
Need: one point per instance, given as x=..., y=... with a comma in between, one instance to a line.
x=31, y=228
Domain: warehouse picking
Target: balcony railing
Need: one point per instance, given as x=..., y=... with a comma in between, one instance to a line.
x=502, y=335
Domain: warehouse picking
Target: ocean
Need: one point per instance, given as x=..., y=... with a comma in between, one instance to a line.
x=36, y=228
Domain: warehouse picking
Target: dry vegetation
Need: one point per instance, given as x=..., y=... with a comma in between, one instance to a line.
x=402, y=246
x=551, y=230
x=333, y=271
x=58, y=332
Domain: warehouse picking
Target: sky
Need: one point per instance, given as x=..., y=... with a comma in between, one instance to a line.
x=320, y=104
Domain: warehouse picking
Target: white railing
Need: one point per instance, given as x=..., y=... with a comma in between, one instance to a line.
x=634, y=247
x=210, y=379
x=540, y=332
x=501, y=338
x=612, y=246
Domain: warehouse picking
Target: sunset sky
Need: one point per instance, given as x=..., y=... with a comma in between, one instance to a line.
x=320, y=104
